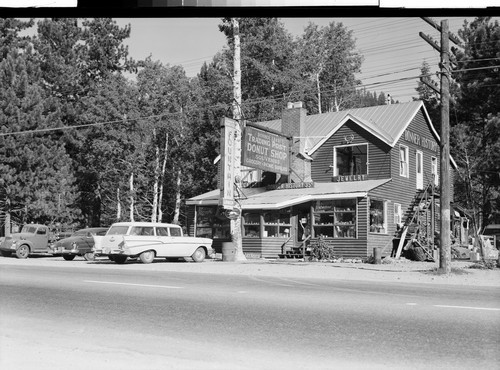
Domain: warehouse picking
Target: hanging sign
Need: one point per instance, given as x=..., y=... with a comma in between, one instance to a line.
x=265, y=151
x=229, y=135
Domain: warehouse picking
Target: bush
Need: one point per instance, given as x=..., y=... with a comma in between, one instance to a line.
x=485, y=265
x=322, y=251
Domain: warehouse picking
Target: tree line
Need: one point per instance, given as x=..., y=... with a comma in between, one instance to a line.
x=82, y=143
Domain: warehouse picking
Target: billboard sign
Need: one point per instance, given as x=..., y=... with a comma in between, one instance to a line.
x=265, y=151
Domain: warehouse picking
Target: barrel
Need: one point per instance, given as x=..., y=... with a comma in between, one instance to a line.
x=228, y=252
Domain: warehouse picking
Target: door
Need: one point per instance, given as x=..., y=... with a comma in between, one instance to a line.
x=419, y=170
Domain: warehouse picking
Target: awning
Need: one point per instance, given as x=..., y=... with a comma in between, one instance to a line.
x=260, y=198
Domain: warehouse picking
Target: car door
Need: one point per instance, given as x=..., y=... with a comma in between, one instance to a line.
x=41, y=239
x=168, y=246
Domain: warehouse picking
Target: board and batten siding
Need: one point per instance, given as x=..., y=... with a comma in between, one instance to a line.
x=379, y=158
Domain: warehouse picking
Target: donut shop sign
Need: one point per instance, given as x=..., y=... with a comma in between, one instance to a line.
x=265, y=150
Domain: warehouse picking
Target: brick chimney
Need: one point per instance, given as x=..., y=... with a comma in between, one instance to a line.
x=293, y=124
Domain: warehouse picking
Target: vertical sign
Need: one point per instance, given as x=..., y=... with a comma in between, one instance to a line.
x=228, y=162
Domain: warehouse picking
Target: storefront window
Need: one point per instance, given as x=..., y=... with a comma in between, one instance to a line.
x=335, y=218
x=350, y=160
x=211, y=224
x=251, y=225
x=276, y=224
x=378, y=217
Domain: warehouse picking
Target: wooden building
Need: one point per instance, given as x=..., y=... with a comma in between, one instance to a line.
x=358, y=178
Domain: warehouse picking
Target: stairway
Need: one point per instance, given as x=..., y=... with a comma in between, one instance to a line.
x=417, y=234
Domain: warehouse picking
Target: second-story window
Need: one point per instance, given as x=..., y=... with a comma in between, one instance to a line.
x=403, y=161
x=350, y=160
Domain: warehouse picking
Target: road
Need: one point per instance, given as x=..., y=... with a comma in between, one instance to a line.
x=117, y=317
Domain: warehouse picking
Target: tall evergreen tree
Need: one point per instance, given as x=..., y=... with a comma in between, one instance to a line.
x=36, y=171
x=475, y=133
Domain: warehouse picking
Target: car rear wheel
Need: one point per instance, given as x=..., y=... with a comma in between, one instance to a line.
x=69, y=257
x=120, y=259
x=89, y=256
x=147, y=257
x=23, y=251
x=6, y=253
x=199, y=255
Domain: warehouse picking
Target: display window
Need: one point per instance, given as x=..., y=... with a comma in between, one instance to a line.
x=211, y=224
x=276, y=224
x=335, y=218
x=251, y=225
x=378, y=217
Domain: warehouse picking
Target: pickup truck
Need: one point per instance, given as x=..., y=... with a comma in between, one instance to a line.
x=33, y=239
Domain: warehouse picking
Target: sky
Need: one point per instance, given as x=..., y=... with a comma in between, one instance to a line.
x=392, y=48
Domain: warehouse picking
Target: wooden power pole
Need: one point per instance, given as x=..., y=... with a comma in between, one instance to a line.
x=444, y=173
x=236, y=224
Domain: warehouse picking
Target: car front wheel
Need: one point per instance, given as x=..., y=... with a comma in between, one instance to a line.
x=69, y=257
x=147, y=257
x=23, y=251
x=89, y=256
x=199, y=255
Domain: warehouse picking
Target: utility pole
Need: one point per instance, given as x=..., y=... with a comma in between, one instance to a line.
x=236, y=224
x=444, y=145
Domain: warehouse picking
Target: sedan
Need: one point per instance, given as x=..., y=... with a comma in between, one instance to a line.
x=79, y=244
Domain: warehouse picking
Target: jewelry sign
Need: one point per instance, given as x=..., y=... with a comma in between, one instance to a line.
x=265, y=151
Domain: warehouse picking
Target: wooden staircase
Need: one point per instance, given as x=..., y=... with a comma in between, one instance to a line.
x=417, y=233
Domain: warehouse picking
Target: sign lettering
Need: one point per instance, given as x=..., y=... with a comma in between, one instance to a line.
x=265, y=151
x=416, y=139
x=294, y=185
x=349, y=178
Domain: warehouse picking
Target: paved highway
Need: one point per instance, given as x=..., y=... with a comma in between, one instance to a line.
x=116, y=317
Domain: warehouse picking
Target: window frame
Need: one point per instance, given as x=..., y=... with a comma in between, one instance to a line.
x=335, y=167
x=398, y=214
x=384, y=225
x=406, y=171
x=435, y=170
x=335, y=213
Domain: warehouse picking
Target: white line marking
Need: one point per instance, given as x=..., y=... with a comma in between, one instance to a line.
x=297, y=282
x=142, y=285
x=411, y=304
x=269, y=282
x=468, y=308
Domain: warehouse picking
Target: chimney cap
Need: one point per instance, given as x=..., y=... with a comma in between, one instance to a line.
x=297, y=104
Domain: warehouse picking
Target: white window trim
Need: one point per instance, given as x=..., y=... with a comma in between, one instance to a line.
x=407, y=156
x=398, y=214
x=435, y=168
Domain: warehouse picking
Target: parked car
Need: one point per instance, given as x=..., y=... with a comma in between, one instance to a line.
x=33, y=239
x=147, y=241
x=80, y=243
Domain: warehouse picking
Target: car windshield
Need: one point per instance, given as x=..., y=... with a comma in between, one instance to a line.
x=28, y=229
x=117, y=230
x=491, y=230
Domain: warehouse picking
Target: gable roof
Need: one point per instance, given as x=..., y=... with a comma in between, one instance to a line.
x=387, y=122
